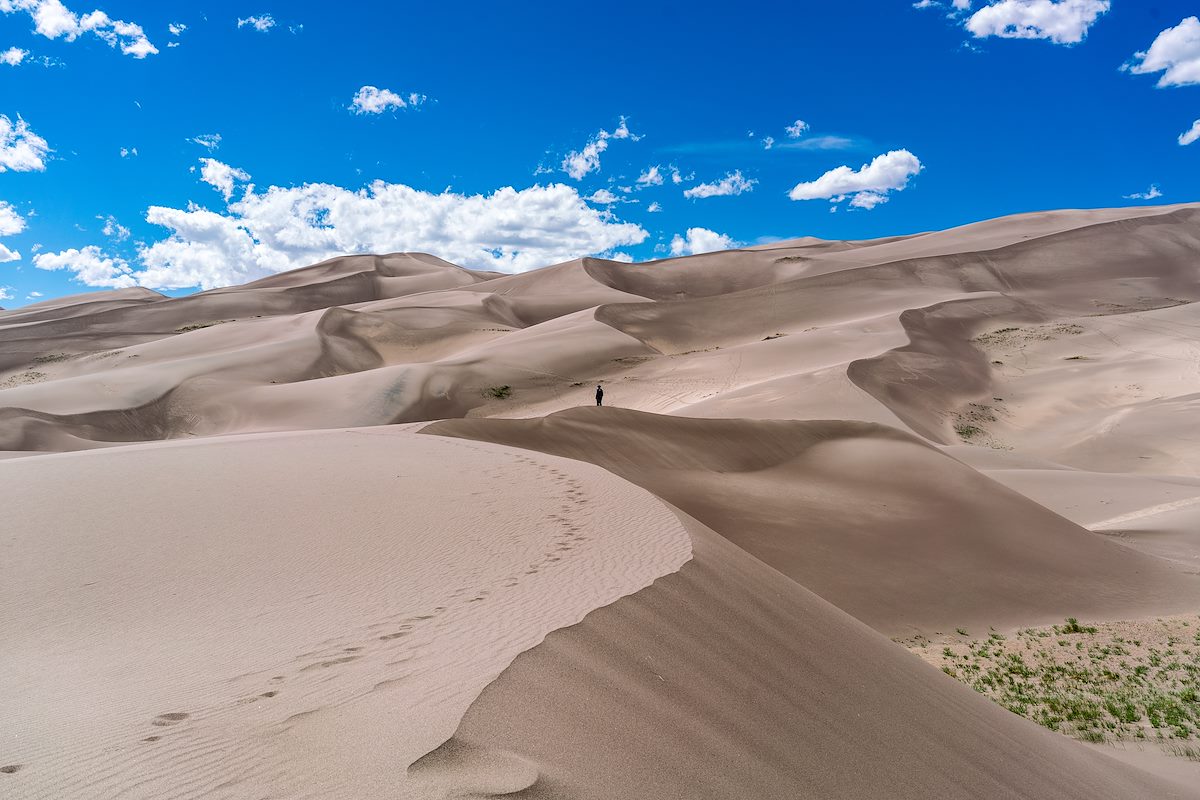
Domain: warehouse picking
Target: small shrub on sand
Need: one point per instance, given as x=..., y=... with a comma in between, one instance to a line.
x=498, y=392
x=966, y=431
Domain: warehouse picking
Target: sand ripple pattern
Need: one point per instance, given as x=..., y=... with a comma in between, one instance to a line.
x=261, y=638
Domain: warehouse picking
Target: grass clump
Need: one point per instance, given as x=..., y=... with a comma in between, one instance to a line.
x=966, y=430
x=195, y=326
x=498, y=392
x=1072, y=626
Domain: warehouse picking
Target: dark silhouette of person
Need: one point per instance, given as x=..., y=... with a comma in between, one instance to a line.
x=599, y=395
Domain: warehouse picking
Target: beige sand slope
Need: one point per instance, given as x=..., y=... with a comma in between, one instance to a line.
x=873, y=520
x=298, y=615
x=727, y=680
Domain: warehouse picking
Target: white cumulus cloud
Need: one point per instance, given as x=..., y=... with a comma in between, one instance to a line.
x=21, y=150
x=603, y=197
x=176, y=28
x=1060, y=21
x=373, y=100
x=281, y=228
x=260, y=22
x=54, y=20
x=700, y=240
x=13, y=56
x=654, y=207
x=734, y=183
x=579, y=163
x=1191, y=134
x=796, y=129
x=90, y=267
x=651, y=177
x=868, y=186
x=221, y=176
x=1175, y=52
x=114, y=229
x=11, y=221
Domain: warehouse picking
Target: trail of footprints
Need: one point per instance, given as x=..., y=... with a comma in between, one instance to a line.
x=569, y=525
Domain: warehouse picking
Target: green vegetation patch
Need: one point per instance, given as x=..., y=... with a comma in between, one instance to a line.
x=966, y=431
x=1113, y=681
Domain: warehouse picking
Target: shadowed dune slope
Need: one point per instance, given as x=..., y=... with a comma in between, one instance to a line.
x=872, y=519
x=727, y=680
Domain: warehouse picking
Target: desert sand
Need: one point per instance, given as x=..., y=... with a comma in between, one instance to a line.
x=357, y=530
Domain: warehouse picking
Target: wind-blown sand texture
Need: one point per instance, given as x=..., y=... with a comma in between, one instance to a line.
x=233, y=566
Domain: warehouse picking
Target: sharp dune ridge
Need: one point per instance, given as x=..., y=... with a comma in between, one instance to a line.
x=356, y=530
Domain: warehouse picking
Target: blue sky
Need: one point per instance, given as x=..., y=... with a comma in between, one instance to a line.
x=513, y=136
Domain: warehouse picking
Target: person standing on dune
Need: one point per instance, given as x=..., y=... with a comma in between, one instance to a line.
x=599, y=395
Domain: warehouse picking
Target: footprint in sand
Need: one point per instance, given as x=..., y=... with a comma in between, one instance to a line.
x=172, y=718
x=330, y=663
x=11, y=768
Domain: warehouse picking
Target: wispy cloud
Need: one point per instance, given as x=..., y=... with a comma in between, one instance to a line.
x=734, y=183
x=579, y=163
x=725, y=146
x=1150, y=194
x=210, y=141
x=259, y=22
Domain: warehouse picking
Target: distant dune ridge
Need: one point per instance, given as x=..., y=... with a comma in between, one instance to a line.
x=357, y=530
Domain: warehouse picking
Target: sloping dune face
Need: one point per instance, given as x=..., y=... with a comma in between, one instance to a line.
x=875, y=521
x=728, y=680
x=299, y=615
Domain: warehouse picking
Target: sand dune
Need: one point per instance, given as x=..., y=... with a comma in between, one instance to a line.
x=873, y=520
x=295, y=614
x=263, y=582
x=727, y=680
